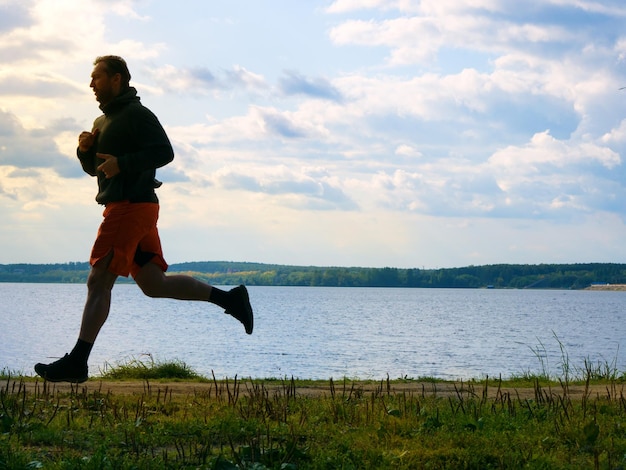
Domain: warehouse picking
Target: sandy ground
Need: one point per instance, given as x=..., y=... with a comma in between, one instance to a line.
x=341, y=388
x=619, y=287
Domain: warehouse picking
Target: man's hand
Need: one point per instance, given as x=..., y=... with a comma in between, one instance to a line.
x=86, y=140
x=110, y=167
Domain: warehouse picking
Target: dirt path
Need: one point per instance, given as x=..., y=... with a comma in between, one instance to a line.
x=341, y=388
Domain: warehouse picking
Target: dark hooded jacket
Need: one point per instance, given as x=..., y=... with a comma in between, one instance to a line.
x=132, y=133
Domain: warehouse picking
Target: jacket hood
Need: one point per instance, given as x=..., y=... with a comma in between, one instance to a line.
x=121, y=100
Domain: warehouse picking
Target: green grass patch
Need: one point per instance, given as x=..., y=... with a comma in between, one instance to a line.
x=268, y=425
x=7, y=374
x=532, y=421
x=146, y=368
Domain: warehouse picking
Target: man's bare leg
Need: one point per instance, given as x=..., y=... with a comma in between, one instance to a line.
x=73, y=366
x=154, y=283
x=99, y=286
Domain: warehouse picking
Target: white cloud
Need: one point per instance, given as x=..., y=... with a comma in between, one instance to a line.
x=439, y=118
x=33, y=148
x=202, y=81
x=407, y=151
x=610, y=8
x=344, y=6
x=544, y=149
x=616, y=135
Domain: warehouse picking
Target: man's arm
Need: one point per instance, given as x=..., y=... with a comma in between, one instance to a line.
x=155, y=149
x=85, y=151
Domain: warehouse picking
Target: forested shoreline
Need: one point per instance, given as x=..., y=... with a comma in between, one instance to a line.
x=500, y=276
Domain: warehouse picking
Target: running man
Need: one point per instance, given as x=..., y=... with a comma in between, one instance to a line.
x=123, y=150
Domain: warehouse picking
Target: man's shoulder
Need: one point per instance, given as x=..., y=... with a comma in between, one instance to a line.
x=137, y=108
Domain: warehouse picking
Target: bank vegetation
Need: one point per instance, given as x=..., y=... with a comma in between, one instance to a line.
x=498, y=276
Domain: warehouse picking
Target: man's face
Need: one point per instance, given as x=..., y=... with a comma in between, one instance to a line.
x=105, y=88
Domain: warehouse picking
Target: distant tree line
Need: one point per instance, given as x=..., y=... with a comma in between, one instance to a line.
x=512, y=276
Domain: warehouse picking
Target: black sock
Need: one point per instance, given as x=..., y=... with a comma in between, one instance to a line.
x=219, y=297
x=81, y=351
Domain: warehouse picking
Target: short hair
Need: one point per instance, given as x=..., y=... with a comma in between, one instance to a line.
x=115, y=64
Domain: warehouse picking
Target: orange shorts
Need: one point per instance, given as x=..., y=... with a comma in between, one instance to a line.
x=130, y=231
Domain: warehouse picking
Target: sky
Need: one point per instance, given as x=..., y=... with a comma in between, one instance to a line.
x=371, y=133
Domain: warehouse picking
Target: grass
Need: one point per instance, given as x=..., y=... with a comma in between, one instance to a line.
x=531, y=421
x=234, y=424
x=5, y=373
x=147, y=368
x=594, y=371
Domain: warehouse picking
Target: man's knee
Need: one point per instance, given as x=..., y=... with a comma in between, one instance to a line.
x=100, y=279
x=99, y=276
x=150, y=280
x=150, y=290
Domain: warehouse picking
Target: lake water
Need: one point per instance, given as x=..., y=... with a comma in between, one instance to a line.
x=318, y=333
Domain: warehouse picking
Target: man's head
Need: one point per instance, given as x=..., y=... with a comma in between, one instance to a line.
x=110, y=77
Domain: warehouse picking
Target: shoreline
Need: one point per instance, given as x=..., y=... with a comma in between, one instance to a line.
x=182, y=389
x=608, y=287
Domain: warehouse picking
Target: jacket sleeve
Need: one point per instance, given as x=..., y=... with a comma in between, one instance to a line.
x=154, y=149
x=88, y=158
x=87, y=161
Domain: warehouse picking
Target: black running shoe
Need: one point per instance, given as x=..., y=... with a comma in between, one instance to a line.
x=240, y=307
x=64, y=370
